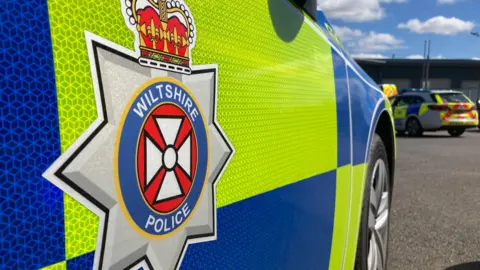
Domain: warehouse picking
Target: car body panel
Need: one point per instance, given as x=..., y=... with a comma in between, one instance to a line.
x=297, y=109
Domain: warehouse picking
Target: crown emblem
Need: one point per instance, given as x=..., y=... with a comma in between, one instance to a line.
x=165, y=31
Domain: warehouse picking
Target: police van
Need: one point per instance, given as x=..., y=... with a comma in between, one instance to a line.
x=188, y=134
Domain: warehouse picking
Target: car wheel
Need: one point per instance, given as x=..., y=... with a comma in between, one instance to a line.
x=414, y=128
x=456, y=132
x=372, y=243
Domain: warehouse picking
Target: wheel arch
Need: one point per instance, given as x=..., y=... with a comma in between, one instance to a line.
x=386, y=130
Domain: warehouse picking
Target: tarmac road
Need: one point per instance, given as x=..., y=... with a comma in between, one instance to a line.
x=435, y=221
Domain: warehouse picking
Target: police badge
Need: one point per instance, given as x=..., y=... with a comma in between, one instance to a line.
x=148, y=165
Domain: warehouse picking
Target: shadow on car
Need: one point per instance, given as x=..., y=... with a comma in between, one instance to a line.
x=286, y=21
x=465, y=266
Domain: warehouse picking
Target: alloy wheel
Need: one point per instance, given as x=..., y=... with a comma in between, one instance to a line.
x=413, y=127
x=378, y=216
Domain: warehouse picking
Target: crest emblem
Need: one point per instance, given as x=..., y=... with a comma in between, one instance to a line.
x=149, y=164
x=169, y=159
x=165, y=33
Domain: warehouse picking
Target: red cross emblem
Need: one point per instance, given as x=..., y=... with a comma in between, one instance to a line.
x=166, y=158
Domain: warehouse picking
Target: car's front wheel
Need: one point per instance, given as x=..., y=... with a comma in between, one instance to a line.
x=373, y=235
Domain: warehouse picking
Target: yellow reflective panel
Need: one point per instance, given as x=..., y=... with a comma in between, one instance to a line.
x=276, y=97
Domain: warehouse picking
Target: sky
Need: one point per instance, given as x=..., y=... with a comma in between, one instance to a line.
x=383, y=28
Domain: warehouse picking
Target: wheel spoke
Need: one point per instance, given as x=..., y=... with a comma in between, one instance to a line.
x=373, y=200
x=380, y=248
x=378, y=216
x=371, y=218
x=371, y=259
x=379, y=256
x=383, y=207
x=379, y=187
x=380, y=190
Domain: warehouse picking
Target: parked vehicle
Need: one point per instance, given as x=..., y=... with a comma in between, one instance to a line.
x=420, y=110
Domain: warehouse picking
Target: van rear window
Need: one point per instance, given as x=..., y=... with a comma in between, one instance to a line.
x=453, y=97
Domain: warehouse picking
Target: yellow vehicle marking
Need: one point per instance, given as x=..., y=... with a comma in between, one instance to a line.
x=58, y=266
x=342, y=204
x=423, y=109
x=272, y=111
x=400, y=112
x=359, y=175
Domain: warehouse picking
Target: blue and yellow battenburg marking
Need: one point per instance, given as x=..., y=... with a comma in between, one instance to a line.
x=169, y=159
x=262, y=174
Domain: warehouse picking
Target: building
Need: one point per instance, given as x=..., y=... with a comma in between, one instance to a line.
x=443, y=73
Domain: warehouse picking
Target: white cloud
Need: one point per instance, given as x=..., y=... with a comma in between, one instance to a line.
x=352, y=10
x=369, y=56
x=476, y=58
x=446, y=2
x=346, y=34
x=355, y=10
x=438, y=25
x=361, y=42
x=415, y=56
x=379, y=42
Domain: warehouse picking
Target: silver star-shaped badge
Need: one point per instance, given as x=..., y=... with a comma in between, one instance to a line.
x=86, y=170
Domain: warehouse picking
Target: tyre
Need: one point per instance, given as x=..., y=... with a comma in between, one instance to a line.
x=372, y=243
x=414, y=128
x=456, y=132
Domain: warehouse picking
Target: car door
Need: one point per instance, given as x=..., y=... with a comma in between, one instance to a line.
x=254, y=96
x=182, y=134
x=289, y=210
x=415, y=103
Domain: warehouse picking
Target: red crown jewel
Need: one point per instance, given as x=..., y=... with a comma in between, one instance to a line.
x=166, y=33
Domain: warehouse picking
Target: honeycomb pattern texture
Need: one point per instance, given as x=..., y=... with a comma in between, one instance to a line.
x=76, y=101
x=275, y=104
x=69, y=19
x=276, y=99
x=82, y=262
x=273, y=100
x=81, y=227
x=58, y=266
x=31, y=224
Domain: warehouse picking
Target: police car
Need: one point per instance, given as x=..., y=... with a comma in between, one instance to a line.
x=188, y=134
x=419, y=110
